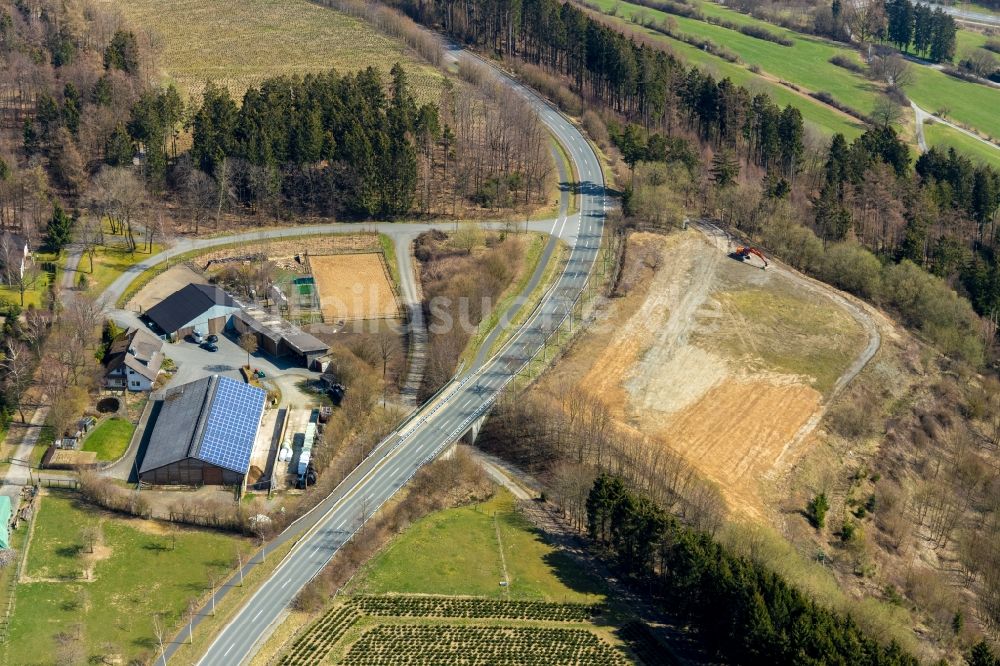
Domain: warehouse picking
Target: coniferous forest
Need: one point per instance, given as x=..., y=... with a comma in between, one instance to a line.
x=748, y=614
x=936, y=213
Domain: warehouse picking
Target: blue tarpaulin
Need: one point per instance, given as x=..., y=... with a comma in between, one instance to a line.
x=4, y=521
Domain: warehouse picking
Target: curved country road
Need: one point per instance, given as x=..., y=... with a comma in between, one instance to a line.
x=318, y=535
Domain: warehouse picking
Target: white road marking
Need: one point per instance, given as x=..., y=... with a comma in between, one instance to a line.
x=257, y=615
x=230, y=648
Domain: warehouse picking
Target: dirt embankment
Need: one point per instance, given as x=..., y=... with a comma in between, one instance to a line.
x=727, y=364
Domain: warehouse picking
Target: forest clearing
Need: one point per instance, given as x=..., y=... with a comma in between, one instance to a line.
x=722, y=362
x=239, y=45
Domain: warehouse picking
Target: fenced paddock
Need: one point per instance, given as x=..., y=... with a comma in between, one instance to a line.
x=354, y=286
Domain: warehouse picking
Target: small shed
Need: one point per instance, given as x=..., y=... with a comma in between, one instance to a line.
x=279, y=337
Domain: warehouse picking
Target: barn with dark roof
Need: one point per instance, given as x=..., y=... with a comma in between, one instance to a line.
x=196, y=307
x=204, y=434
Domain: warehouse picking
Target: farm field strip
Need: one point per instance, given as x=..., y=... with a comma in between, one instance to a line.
x=968, y=104
x=946, y=137
x=265, y=38
x=805, y=63
x=406, y=629
x=817, y=115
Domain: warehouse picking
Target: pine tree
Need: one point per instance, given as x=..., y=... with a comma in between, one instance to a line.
x=122, y=53
x=71, y=108
x=725, y=169
x=816, y=510
x=118, y=148
x=944, y=33
x=59, y=230
x=981, y=655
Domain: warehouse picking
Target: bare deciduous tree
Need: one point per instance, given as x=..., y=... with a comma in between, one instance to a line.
x=119, y=195
x=89, y=534
x=248, y=342
x=892, y=69
x=19, y=366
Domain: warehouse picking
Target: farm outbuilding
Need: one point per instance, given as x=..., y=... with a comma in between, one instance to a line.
x=279, y=337
x=203, y=434
x=196, y=307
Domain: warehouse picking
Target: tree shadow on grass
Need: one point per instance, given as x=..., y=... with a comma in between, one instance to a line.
x=145, y=642
x=563, y=566
x=155, y=546
x=69, y=551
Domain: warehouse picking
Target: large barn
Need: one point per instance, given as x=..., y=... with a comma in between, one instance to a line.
x=204, y=434
x=196, y=307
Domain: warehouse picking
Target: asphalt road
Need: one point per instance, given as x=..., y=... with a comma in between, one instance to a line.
x=966, y=15
x=424, y=434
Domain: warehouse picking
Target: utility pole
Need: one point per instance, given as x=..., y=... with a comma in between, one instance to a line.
x=213, y=596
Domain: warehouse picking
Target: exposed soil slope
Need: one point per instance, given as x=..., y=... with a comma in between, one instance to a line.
x=729, y=365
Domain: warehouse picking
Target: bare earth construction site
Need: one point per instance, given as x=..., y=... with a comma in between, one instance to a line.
x=729, y=365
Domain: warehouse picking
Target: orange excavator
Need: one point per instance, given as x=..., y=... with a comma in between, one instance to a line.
x=743, y=253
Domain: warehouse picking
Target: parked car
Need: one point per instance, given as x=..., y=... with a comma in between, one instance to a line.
x=212, y=338
x=210, y=346
x=197, y=337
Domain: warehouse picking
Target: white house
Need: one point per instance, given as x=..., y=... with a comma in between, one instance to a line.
x=133, y=361
x=14, y=255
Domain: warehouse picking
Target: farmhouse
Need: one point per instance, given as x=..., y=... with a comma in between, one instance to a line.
x=203, y=434
x=279, y=337
x=196, y=307
x=133, y=361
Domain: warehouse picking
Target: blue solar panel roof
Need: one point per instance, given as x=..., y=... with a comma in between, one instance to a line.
x=231, y=426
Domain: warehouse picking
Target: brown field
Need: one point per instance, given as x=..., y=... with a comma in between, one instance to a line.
x=353, y=286
x=724, y=363
x=239, y=44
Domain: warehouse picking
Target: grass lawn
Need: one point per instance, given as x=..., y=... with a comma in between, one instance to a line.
x=32, y=297
x=456, y=552
x=138, y=568
x=805, y=63
x=110, y=261
x=109, y=439
x=815, y=114
x=389, y=250
x=46, y=436
x=943, y=136
x=969, y=104
x=238, y=44
x=788, y=332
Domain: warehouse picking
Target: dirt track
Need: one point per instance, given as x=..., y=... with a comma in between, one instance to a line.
x=858, y=311
x=729, y=365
